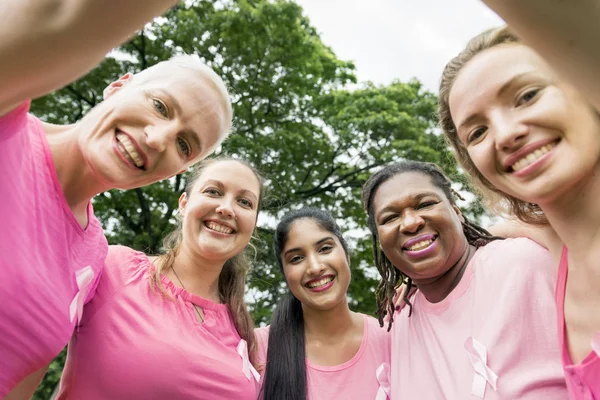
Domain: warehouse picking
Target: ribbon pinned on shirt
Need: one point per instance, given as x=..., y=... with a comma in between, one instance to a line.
x=596, y=344
x=247, y=368
x=383, y=377
x=483, y=374
x=84, y=277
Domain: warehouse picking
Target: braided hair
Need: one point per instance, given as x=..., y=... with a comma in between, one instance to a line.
x=392, y=277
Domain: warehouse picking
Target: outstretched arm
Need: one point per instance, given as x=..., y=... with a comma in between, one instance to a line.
x=565, y=32
x=45, y=44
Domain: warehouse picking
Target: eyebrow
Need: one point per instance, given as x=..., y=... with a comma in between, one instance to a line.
x=179, y=110
x=417, y=197
x=318, y=242
x=500, y=93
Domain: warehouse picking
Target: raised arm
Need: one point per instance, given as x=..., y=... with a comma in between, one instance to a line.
x=565, y=32
x=45, y=44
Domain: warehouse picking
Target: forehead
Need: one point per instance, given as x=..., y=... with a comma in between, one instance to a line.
x=403, y=187
x=231, y=174
x=481, y=77
x=305, y=232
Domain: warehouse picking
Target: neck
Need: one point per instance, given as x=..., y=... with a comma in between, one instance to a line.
x=575, y=217
x=328, y=324
x=75, y=177
x=198, y=276
x=437, y=289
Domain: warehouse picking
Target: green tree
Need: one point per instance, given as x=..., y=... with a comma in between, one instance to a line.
x=295, y=118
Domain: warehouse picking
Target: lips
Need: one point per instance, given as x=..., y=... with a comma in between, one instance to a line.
x=219, y=226
x=319, y=282
x=420, y=242
x=529, y=154
x=130, y=150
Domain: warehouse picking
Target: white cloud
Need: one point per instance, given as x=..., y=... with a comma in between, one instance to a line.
x=398, y=39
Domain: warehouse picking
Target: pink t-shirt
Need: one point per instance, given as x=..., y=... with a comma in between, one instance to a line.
x=496, y=329
x=357, y=378
x=135, y=343
x=583, y=379
x=49, y=265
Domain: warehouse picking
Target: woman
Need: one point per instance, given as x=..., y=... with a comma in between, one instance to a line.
x=151, y=126
x=481, y=324
x=316, y=348
x=176, y=326
x=513, y=128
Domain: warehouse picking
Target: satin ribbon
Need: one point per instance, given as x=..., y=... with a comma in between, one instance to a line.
x=483, y=374
x=596, y=344
x=84, y=277
x=247, y=368
x=383, y=377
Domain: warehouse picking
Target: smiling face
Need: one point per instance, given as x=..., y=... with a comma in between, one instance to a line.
x=419, y=229
x=153, y=128
x=522, y=126
x=315, y=265
x=219, y=213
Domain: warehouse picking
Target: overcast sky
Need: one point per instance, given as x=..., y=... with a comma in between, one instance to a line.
x=398, y=39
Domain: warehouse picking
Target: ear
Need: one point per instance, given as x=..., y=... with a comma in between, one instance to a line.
x=459, y=213
x=182, y=203
x=116, y=85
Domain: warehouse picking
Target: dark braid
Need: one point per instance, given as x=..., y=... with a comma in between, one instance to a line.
x=392, y=277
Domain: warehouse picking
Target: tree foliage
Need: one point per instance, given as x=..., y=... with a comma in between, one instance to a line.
x=300, y=117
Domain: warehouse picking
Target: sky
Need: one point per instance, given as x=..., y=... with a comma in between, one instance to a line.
x=398, y=39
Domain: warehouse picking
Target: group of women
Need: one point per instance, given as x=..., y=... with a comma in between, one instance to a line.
x=491, y=317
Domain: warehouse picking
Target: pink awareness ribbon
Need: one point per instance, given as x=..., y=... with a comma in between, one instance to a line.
x=247, y=368
x=383, y=377
x=483, y=374
x=84, y=277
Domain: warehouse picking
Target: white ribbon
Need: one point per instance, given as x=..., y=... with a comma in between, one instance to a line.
x=596, y=344
x=383, y=377
x=483, y=374
x=84, y=277
x=247, y=368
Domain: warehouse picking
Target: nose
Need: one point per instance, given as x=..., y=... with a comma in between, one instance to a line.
x=315, y=266
x=509, y=132
x=226, y=208
x=158, y=136
x=411, y=222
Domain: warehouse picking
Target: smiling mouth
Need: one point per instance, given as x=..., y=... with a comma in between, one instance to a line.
x=321, y=282
x=423, y=244
x=532, y=157
x=127, y=149
x=213, y=226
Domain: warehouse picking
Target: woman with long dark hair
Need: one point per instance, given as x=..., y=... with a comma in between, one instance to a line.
x=316, y=347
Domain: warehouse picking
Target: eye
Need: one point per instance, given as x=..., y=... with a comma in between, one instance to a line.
x=246, y=203
x=212, y=191
x=184, y=147
x=388, y=218
x=295, y=259
x=326, y=248
x=476, y=134
x=527, y=96
x=160, y=107
x=427, y=204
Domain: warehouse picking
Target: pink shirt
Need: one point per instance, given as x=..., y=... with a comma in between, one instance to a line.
x=135, y=343
x=583, y=379
x=495, y=329
x=357, y=378
x=49, y=265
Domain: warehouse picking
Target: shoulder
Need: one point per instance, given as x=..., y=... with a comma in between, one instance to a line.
x=122, y=263
x=519, y=254
x=376, y=333
x=262, y=343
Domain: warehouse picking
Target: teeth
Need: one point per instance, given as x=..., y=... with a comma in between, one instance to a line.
x=420, y=245
x=532, y=157
x=320, y=282
x=128, y=149
x=218, y=227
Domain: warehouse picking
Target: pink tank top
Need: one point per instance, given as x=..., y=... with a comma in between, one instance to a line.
x=583, y=379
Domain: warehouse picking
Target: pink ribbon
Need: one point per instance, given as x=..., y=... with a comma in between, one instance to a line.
x=596, y=344
x=247, y=367
x=383, y=377
x=483, y=374
x=84, y=277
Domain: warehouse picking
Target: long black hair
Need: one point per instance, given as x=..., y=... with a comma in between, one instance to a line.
x=285, y=372
x=392, y=277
